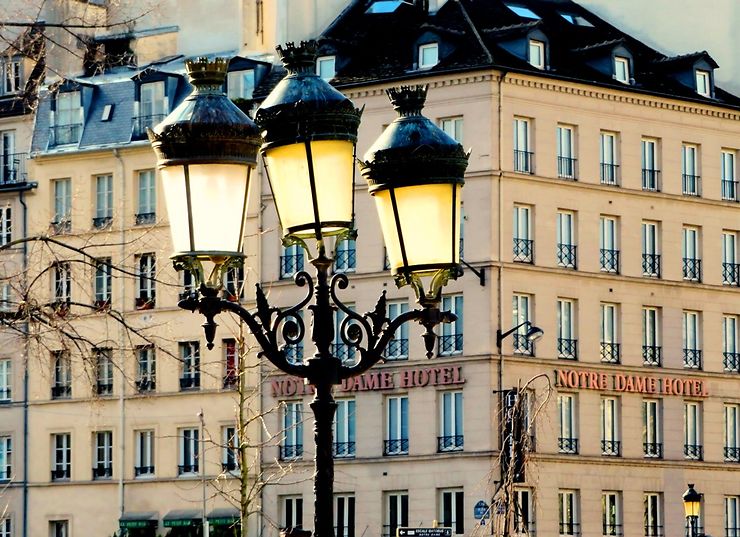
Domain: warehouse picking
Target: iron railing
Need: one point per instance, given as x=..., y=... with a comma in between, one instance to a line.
x=609, y=353
x=65, y=134
x=343, y=351
x=399, y=446
x=692, y=358
x=693, y=452
x=61, y=473
x=610, y=448
x=566, y=255
x=450, y=344
x=653, y=531
x=651, y=265
x=732, y=532
x=731, y=274
x=653, y=449
x=61, y=391
x=651, y=355
x=143, y=470
x=102, y=471
x=63, y=225
x=294, y=353
x=567, y=349
x=609, y=174
x=145, y=218
x=141, y=123
x=343, y=450
x=291, y=451
x=5, y=395
x=731, y=361
x=651, y=180
x=290, y=264
x=732, y=454
x=13, y=168
x=523, y=250
x=568, y=445
x=231, y=378
x=691, y=184
x=609, y=260
x=102, y=222
x=522, y=527
x=397, y=349
x=346, y=260
x=691, y=269
x=522, y=344
x=450, y=443
x=729, y=190
x=523, y=161
x=187, y=468
x=190, y=382
x=567, y=168
x=569, y=528
x=146, y=384
x=611, y=529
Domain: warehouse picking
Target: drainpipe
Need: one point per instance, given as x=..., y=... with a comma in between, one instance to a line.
x=499, y=282
x=24, y=329
x=121, y=340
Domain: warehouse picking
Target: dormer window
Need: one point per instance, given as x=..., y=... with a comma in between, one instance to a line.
x=12, y=76
x=622, y=69
x=326, y=67
x=537, y=54
x=428, y=55
x=703, y=85
x=68, y=119
x=240, y=84
x=152, y=107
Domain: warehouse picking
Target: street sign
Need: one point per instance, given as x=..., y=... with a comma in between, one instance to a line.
x=480, y=511
x=424, y=532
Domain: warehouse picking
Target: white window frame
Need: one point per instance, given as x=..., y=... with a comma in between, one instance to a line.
x=565, y=137
x=653, y=515
x=104, y=366
x=240, y=84
x=6, y=526
x=691, y=330
x=649, y=161
x=190, y=358
x=147, y=192
x=523, y=145
x=622, y=69
x=521, y=310
x=538, y=58
x=568, y=512
x=146, y=363
x=453, y=126
x=145, y=452
x=230, y=448
x=12, y=76
x=104, y=196
x=61, y=447
x=690, y=245
x=103, y=449
x=567, y=416
x=153, y=99
x=62, y=282
x=326, y=67
x=731, y=431
x=566, y=228
x=345, y=420
x=434, y=60
x=456, y=499
x=454, y=331
x=68, y=109
x=6, y=379
x=692, y=413
x=651, y=326
x=703, y=83
x=6, y=225
x=729, y=247
x=610, y=419
x=103, y=281
x=566, y=318
x=398, y=346
x=732, y=516
x=189, y=450
x=611, y=515
x=344, y=514
x=609, y=323
x=62, y=201
x=291, y=515
x=6, y=458
x=62, y=369
x=397, y=423
x=349, y=262
x=730, y=326
x=690, y=169
x=451, y=423
x=292, y=422
x=608, y=155
x=522, y=222
x=396, y=502
x=147, y=271
x=524, y=512
x=59, y=528
x=651, y=421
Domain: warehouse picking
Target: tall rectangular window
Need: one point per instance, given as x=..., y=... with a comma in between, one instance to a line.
x=396, y=512
x=609, y=333
x=6, y=458
x=342, y=350
x=691, y=254
x=522, y=234
x=62, y=221
x=608, y=154
x=147, y=273
x=103, y=453
x=567, y=439
x=450, y=421
x=292, y=512
x=650, y=249
x=729, y=181
x=732, y=432
x=67, y=119
x=567, y=341
x=451, y=337
x=397, y=426
x=6, y=380
x=291, y=446
x=453, y=126
x=344, y=512
x=653, y=517
x=651, y=429
x=104, y=371
x=146, y=365
x=190, y=360
x=146, y=210
x=452, y=510
x=234, y=284
x=6, y=225
x=291, y=261
x=62, y=281
x=650, y=171
x=608, y=246
x=230, y=450
x=144, y=453
x=103, y=201
x=730, y=347
x=692, y=446
x=703, y=85
x=189, y=450
x=344, y=428
x=611, y=520
x=536, y=54
x=523, y=156
x=240, y=84
x=61, y=386
x=398, y=346
x=103, y=282
x=12, y=82
x=610, y=444
x=568, y=512
x=521, y=306
x=524, y=523
x=11, y=164
x=152, y=106
x=61, y=462
x=622, y=69
x=346, y=260
x=732, y=516
x=730, y=265
x=690, y=169
x=6, y=527
x=231, y=363
x=566, y=152
x=691, y=340
x=651, y=348
x=566, y=240
x=59, y=528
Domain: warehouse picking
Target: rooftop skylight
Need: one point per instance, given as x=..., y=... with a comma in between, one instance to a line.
x=574, y=19
x=384, y=6
x=523, y=12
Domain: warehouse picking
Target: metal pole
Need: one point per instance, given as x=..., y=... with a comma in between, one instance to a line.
x=202, y=465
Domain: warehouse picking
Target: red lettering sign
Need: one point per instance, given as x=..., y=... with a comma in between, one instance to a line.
x=591, y=380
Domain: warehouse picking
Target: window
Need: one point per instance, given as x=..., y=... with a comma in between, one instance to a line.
x=344, y=509
x=566, y=241
x=610, y=444
x=732, y=432
x=397, y=426
x=609, y=334
x=703, y=84
x=103, y=282
x=6, y=225
x=451, y=337
x=450, y=421
x=653, y=518
x=103, y=201
x=650, y=255
x=6, y=529
x=566, y=152
x=339, y=348
x=59, y=528
x=691, y=343
x=146, y=211
x=230, y=450
x=104, y=370
x=691, y=257
x=609, y=247
x=292, y=445
x=651, y=350
x=326, y=67
x=692, y=446
x=567, y=440
x=6, y=298
x=346, y=259
x=690, y=169
x=567, y=342
x=398, y=346
x=522, y=234
x=294, y=351
x=6, y=380
x=62, y=205
x=730, y=347
x=144, y=453
x=147, y=274
x=428, y=55
x=732, y=516
x=608, y=152
x=523, y=156
x=524, y=523
x=344, y=428
x=103, y=453
x=62, y=283
x=6, y=458
x=522, y=11
x=651, y=436
x=146, y=379
x=231, y=363
x=729, y=181
x=240, y=84
x=452, y=510
x=61, y=465
x=622, y=69
x=650, y=170
x=291, y=261
x=610, y=513
x=234, y=284
x=453, y=126
x=152, y=105
x=396, y=512
x=190, y=359
x=575, y=20
x=12, y=164
x=189, y=454
x=292, y=512
x=537, y=54
x=520, y=308
x=68, y=119
x=12, y=78
x=62, y=382
x=568, y=512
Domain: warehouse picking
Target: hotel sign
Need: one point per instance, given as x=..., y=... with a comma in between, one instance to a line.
x=662, y=385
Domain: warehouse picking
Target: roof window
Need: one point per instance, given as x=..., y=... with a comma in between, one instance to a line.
x=574, y=19
x=428, y=55
x=384, y=6
x=537, y=54
x=326, y=67
x=622, y=69
x=522, y=11
x=703, y=83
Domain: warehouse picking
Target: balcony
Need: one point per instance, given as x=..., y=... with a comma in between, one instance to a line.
x=693, y=452
x=145, y=384
x=653, y=450
x=651, y=355
x=61, y=391
x=290, y=264
x=731, y=274
x=399, y=446
x=609, y=174
x=450, y=344
x=691, y=269
x=651, y=265
x=345, y=260
x=692, y=358
x=731, y=361
x=651, y=180
x=609, y=353
x=566, y=254
x=610, y=448
x=343, y=351
x=691, y=184
x=102, y=471
x=732, y=454
x=60, y=474
x=13, y=169
x=523, y=250
x=294, y=353
x=653, y=531
x=398, y=349
x=523, y=161
x=65, y=134
x=289, y=452
x=102, y=222
x=104, y=388
x=140, y=471
x=609, y=260
x=567, y=349
x=729, y=190
x=449, y=443
x=141, y=123
x=522, y=344
x=568, y=445
x=609, y=530
x=567, y=168
x=569, y=528
x=190, y=382
x=343, y=450
x=187, y=469
x=145, y=218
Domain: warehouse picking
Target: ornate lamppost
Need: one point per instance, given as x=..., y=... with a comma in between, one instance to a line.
x=692, y=506
x=206, y=152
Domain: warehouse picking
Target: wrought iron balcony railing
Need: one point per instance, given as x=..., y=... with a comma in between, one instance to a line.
x=294, y=353
x=731, y=361
x=346, y=260
x=693, y=452
x=653, y=449
x=290, y=264
x=692, y=358
x=691, y=184
x=653, y=531
x=190, y=382
x=5, y=395
x=651, y=265
x=609, y=174
x=102, y=222
x=609, y=260
x=651, y=180
x=731, y=274
x=65, y=134
x=522, y=528
x=566, y=254
x=57, y=474
x=231, y=379
x=398, y=349
x=729, y=190
x=146, y=384
x=343, y=450
x=523, y=250
x=609, y=353
x=143, y=470
x=610, y=448
x=567, y=168
x=450, y=443
x=102, y=471
x=522, y=344
x=691, y=269
x=187, y=468
x=141, y=123
x=651, y=355
x=104, y=388
x=343, y=351
x=523, y=161
x=568, y=445
x=732, y=454
x=13, y=168
x=62, y=225
x=569, y=528
x=61, y=391
x=145, y=218
x=291, y=451
x=399, y=446
x=567, y=349
x=450, y=344
x=611, y=529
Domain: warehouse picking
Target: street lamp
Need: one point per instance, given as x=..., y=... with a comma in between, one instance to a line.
x=692, y=506
x=532, y=334
x=309, y=131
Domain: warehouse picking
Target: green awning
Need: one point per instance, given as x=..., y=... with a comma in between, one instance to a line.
x=139, y=520
x=225, y=516
x=181, y=518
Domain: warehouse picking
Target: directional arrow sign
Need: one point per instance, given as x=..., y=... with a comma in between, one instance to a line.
x=424, y=532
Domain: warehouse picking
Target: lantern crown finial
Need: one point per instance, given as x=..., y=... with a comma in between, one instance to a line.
x=203, y=72
x=408, y=100
x=299, y=58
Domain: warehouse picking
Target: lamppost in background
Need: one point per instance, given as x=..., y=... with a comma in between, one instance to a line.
x=206, y=151
x=692, y=506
